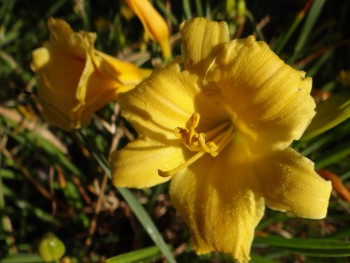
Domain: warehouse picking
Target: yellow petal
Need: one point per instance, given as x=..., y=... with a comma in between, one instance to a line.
x=57, y=93
x=124, y=72
x=216, y=198
x=161, y=103
x=40, y=58
x=54, y=67
x=291, y=184
x=64, y=39
x=82, y=87
x=137, y=164
x=153, y=23
x=270, y=100
x=56, y=107
x=201, y=41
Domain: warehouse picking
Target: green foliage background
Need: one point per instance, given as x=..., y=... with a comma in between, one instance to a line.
x=51, y=181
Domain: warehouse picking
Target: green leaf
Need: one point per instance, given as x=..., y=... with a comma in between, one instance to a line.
x=147, y=223
x=308, y=247
x=283, y=40
x=333, y=156
x=187, y=9
x=22, y=258
x=56, y=6
x=28, y=206
x=260, y=259
x=2, y=200
x=250, y=17
x=7, y=174
x=329, y=114
x=319, y=63
x=199, y=8
x=167, y=14
x=308, y=26
x=135, y=256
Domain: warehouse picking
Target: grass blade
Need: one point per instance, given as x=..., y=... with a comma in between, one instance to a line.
x=333, y=156
x=250, y=17
x=168, y=15
x=187, y=9
x=147, y=223
x=319, y=64
x=135, y=256
x=199, y=8
x=260, y=259
x=309, y=246
x=22, y=258
x=286, y=37
x=309, y=24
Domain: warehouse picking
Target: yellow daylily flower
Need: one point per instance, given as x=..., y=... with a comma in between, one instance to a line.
x=153, y=23
x=74, y=79
x=220, y=127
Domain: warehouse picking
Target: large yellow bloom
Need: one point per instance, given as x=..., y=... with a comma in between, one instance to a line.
x=74, y=79
x=220, y=128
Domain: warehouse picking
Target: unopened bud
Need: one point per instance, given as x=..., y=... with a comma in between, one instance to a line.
x=51, y=248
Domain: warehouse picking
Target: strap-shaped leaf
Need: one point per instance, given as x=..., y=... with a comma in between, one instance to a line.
x=136, y=256
x=307, y=246
x=329, y=114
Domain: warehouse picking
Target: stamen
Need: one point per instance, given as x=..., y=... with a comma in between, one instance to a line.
x=209, y=147
x=210, y=134
x=224, y=139
x=195, y=141
x=194, y=120
x=182, y=166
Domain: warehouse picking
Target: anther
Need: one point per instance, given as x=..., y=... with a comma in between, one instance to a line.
x=193, y=140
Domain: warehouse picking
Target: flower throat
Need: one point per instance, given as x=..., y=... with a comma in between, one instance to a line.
x=213, y=141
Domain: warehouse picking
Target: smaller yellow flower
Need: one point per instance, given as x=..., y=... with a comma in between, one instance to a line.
x=74, y=79
x=153, y=23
